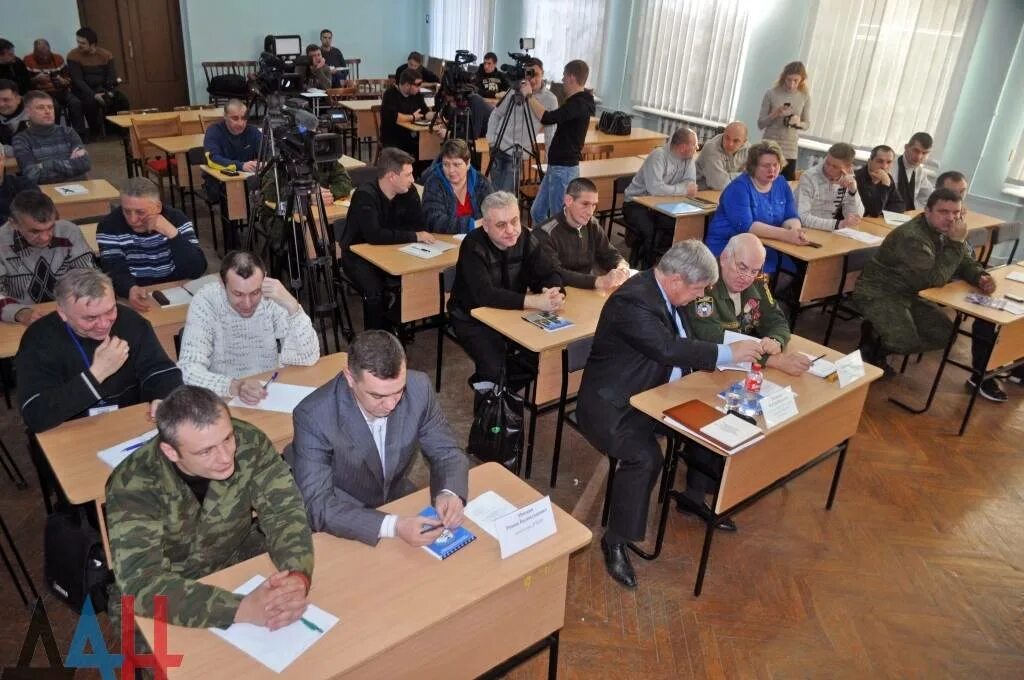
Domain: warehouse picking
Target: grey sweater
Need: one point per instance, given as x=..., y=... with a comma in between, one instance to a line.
x=662, y=174
x=44, y=154
x=715, y=167
x=776, y=128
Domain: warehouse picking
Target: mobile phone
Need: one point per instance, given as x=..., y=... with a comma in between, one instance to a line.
x=786, y=105
x=229, y=173
x=813, y=244
x=160, y=298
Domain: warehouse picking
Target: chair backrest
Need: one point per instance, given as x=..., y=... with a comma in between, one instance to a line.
x=362, y=175
x=375, y=111
x=1007, y=232
x=208, y=119
x=593, y=152
x=619, y=186
x=146, y=128
x=373, y=86
x=577, y=353
x=133, y=112
x=211, y=69
x=446, y=281
x=977, y=239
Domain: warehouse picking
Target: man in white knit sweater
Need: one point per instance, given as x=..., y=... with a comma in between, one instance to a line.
x=827, y=197
x=245, y=325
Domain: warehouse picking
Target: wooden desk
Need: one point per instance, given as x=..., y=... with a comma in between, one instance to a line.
x=603, y=172
x=94, y=203
x=1007, y=349
x=582, y=307
x=828, y=419
x=178, y=148
x=429, y=140
x=691, y=226
x=361, y=111
x=407, y=615
x=189, y=119
x=639, y=141
x=234, y=192
x=89, y=234
x=420, y=285
x=10, y=164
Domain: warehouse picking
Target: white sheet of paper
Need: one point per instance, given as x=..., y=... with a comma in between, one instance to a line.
x=421, y=250
x=822, y=368
x=850, y=368
x=194, y=286
x=279, y=648
x=861, y=236
x=176, y=296
x=1015, y=276
x=113, y=455
x=280, y=397
x=71, y=190
x=895, y=219
x=778, y=407
x=731, y=337
x=486, y=508
x=730, y=430
x=524, y=527
x=459, y=237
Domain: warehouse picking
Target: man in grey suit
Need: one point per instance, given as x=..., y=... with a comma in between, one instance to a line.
x=355, y=441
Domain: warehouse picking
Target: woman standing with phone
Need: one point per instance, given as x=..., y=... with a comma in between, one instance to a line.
x=785, y=110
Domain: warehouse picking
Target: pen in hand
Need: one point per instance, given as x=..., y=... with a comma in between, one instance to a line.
x=427, y=528
x=272, y=379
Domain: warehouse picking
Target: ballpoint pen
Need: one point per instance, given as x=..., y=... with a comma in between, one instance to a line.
x=427, y=528
x=312, y=626
x=272, y=379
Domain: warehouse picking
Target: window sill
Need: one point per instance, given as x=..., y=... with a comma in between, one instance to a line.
x=1013, y=190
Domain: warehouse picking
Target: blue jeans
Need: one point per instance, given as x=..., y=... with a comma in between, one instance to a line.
x=501, y=172
x=551, y=194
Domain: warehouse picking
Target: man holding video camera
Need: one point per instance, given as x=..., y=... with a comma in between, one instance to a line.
x=564, y=151
x=517, y=132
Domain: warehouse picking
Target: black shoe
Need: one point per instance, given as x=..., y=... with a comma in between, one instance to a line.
x=688, y=506
x=616, y=561
x=990, y=389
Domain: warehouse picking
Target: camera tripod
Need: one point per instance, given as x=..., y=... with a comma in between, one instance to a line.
x=516, y=107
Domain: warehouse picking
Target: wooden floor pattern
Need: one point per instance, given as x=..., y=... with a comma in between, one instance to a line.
x=917, y=571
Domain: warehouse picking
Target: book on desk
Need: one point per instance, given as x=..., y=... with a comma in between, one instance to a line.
x=707, y=424
x=547, y=321
x=683, y=207
x=183, y=294
x=450, y=541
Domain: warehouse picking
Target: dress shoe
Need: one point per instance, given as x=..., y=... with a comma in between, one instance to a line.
x=688, y=506
x=616, y=561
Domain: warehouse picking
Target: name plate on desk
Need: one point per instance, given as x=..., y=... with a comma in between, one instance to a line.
x=526, y=526
x=850, y=368
x=778, y=407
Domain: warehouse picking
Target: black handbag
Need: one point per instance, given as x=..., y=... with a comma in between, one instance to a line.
x=615, y=123
x=497, y=431
x=74, y=562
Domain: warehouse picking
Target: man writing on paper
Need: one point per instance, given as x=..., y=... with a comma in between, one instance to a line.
x=36, y=250
x=91, y=355
x=642, y=341
x=183, y=506
x=926, y=252
x=577, y=243
x=245, y=325
x=826, y=196
x=669, y=170
x=355, y=444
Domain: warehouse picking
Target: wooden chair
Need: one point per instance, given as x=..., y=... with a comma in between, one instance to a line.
x=445, y=283
x=372, y=88
x=336, y=96
x=196, y=157
x=212, y=69
x=574, y=358
x=152, y=160
x=595, y=152
x=1008, y=232
x=529, y=184
x=619, y=186
x=195, y=107
x=208, y=119
x=137, y=112
x=375, y=110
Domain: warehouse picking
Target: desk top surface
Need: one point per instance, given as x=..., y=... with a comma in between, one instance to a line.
x=71, y=448
x=179, y=143
x=96, y=190
x=974, y=219
x=954, y=294
x=385, y=594
x=124, y=120
x=812, y=393
x=653, y=202
x=582, y=308
x=609, y=167
x=394, y=262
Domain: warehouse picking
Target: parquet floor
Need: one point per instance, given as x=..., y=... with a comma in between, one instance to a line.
x=917, y=572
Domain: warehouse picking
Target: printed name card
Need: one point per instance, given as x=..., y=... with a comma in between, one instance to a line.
x=529, y=524
x=778, y=407
x=850, y=368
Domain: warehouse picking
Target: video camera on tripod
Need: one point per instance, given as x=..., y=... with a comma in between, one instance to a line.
x=519, y=70
x=299, y=144
x=452, y=101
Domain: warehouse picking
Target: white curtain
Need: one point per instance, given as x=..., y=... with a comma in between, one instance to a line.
x=566, y=30
x=461, y=25
x=689, y=56
x=1016, y=174
x=880, y=70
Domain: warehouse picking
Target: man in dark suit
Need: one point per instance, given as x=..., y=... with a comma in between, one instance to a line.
x=642, y=341
x=355, y=443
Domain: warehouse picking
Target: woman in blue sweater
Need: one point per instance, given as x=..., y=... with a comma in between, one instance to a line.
x=453, y=191
x=759, y=201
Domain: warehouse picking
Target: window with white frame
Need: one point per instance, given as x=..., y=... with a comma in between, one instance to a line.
x=880, y=70
x=566, y=30
x=1015, y=176
x=689, y=57
x=461, y=25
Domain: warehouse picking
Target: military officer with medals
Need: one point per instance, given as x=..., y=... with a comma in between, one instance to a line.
x=741, y=302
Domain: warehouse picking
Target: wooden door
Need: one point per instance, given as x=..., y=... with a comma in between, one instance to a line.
x=145, y=38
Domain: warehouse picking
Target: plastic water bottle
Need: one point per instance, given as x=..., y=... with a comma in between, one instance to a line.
x=752, y=385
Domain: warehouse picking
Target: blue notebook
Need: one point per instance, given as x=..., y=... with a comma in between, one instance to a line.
x=449, y=542
x=680, y=208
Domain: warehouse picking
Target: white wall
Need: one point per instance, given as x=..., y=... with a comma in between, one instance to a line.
x=22, y=21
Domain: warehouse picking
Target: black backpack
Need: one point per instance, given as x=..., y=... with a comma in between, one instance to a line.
x=497, y=431
x=615, y=123
x=74, y=562
x=228, y=84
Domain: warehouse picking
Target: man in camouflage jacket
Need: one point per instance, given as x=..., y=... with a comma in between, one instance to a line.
x=181, y=507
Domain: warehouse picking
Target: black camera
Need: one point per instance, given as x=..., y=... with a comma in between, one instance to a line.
x=298, y=141
x=519, y=70
x=457, y=81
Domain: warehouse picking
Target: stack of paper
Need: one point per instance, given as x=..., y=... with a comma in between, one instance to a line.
x=1015, y=276
x=861, y=236
x=820, y=368
x=731, y=337
x=71, y=190
x=118, y=452
x=427, y=250
x=895, y=219
x=486, y=508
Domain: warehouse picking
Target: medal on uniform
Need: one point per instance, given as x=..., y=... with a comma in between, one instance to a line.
x=705, y=307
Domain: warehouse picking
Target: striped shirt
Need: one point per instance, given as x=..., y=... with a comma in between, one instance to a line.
x=134, y=259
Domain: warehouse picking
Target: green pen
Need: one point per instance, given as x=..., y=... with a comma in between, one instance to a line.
x=312, y=626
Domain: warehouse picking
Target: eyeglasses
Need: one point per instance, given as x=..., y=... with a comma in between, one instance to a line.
x=418, y=84
x=744, y=270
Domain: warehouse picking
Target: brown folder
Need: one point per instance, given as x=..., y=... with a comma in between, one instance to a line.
x=692, y=415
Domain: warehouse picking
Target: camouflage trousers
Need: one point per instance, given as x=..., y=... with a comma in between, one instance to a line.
x=906, y=325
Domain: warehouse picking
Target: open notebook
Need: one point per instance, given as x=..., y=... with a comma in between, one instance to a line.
x=182, y=295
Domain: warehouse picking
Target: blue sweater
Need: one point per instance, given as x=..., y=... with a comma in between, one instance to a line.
x=225, y=148
x=741, y=204
x=439, y=200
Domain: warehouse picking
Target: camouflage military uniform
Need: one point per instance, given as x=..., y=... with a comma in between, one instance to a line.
x=714, y=313
x=912, y=257
x=162, y=540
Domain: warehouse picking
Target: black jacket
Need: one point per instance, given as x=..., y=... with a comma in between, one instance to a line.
x=573, y=121
x=18, y=72
x=578, y=252
x=373, y=218
x=488, y=277
x=635, y=348
x=54, y=382
x=877, y=197
x=391, y=133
